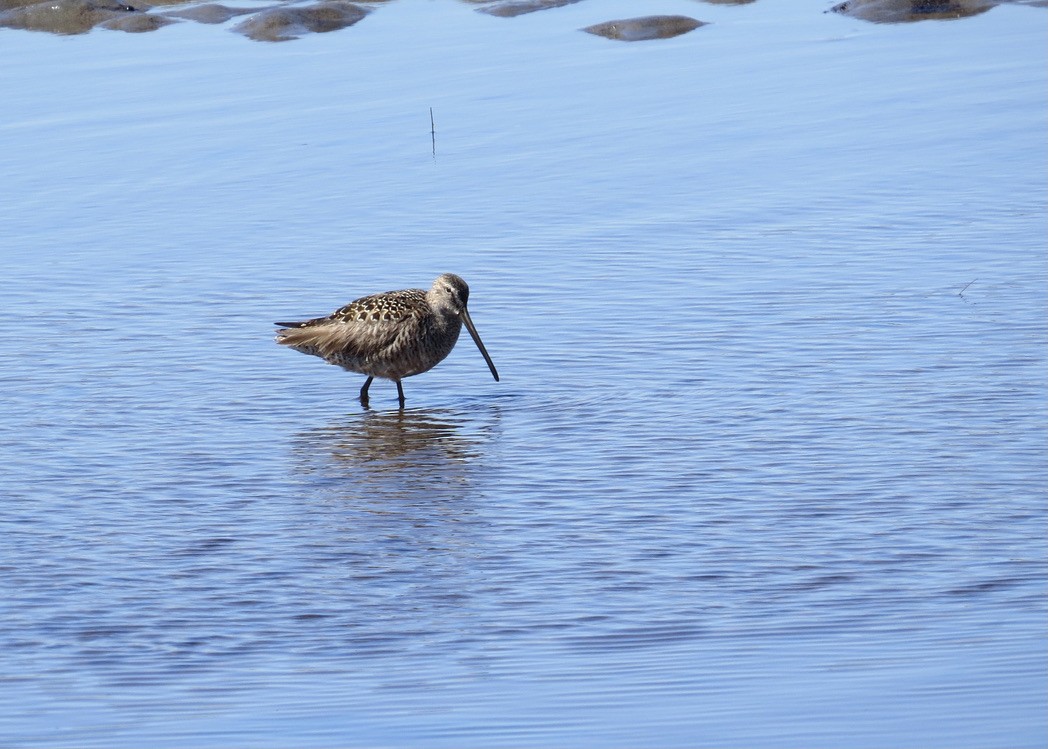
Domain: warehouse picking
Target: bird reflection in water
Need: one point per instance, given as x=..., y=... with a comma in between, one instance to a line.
x=422, y=455
x=392, y=512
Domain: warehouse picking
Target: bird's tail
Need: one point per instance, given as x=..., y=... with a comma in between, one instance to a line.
x=291, y=333
x=313, y=337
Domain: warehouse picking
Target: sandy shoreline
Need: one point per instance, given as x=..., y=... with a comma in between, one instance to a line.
x=287, y=20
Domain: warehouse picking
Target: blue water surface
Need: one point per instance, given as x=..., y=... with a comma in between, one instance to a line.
x=767, y=463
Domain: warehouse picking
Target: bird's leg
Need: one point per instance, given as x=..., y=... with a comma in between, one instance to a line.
x=364, y=392
x=400, y=392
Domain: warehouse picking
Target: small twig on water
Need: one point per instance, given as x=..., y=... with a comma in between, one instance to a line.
x=433, y=132
x=961, y=292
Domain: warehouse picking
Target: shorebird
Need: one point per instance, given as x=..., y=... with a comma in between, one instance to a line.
x=392, y=335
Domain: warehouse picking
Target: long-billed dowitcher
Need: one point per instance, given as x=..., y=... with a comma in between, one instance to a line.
x=392, y=335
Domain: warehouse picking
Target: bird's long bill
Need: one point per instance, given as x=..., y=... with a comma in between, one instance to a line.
x=480, y=344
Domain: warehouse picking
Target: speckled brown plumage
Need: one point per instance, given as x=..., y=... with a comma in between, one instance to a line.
x=392, y=335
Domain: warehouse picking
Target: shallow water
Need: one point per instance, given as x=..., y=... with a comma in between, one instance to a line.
x=767, y=462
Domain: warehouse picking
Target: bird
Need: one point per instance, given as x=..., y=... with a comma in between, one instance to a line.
x=392, y=335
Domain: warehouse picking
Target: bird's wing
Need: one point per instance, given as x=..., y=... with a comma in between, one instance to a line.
x=360, y=329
